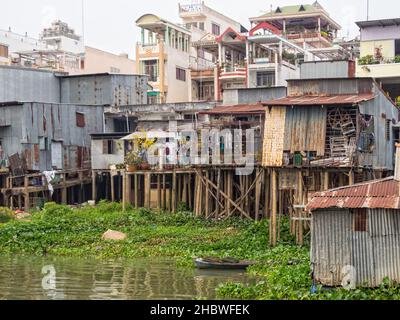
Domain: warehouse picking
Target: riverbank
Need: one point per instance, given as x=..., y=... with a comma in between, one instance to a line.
x=283, y=271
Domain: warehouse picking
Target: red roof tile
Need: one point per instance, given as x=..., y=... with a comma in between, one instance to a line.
x=373, y=194
x=307, y=100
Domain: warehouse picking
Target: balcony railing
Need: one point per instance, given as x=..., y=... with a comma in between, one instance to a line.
x=200, y=64
x=229, y=72
x=308, y=35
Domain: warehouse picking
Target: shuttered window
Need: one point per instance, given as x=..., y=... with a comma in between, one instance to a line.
x=180, y=74
x=108, y=146
x=360, y=220
x=3, y=51
x=80, y=120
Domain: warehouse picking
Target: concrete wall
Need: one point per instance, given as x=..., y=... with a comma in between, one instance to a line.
x=101, y=161
x=98, y=61
x=178, y=91
x=379, y=33
x=18, y=42
x=387, y=46
x=22, y=84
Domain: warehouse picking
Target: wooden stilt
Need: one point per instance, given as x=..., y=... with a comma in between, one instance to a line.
x=158, y=191
x=112, y=183
x=174, y=192
x=124, y=191
x=274, y=191
x=94, y=191
x=136, y=191
x=26, y=194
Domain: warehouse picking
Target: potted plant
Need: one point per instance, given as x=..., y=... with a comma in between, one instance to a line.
x=133, y=161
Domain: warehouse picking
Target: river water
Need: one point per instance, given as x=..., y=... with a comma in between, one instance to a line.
x=59, y=278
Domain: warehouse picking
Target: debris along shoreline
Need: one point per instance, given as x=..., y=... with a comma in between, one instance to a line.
x=283, y=271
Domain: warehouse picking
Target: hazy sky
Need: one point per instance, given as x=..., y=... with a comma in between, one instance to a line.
x=110, y=24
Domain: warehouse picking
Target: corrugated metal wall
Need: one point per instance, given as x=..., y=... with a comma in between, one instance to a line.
x=22, y=84
x=374, y=254
x=383, y=154
x=115, y=90
x=253, y=95
x=305, y=129
x=324, y=69
x=328, y=86
x=56, y=122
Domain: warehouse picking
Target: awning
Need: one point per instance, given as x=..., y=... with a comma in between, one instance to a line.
x=310, y=100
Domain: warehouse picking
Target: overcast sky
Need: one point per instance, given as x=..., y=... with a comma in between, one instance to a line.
x=110, y=24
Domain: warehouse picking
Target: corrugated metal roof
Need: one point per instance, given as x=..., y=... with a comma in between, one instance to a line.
x=383, y=194
x=237, y=109
x=308, y=100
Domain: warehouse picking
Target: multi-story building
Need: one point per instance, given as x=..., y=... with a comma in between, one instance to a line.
x=60, y=49
x=306, y=25
x=380, y=54
x=207, y=25
x=163, y=54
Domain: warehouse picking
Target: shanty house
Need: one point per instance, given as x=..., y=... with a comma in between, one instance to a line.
x=357, y=228
x=46, y=136
x=346, y=123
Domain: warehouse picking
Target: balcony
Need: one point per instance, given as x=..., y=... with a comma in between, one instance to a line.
x=201, y=68
x=230, y=72
x=309, y=35
x=148, y=50
x=369, y=66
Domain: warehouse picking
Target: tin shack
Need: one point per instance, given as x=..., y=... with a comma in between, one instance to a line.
x=356, y=232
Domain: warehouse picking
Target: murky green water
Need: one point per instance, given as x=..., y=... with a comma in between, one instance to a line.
x=77, y=278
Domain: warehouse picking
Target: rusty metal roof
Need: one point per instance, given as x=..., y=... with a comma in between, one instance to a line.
x=382, y=194
x=237, y=109
x=308, y=100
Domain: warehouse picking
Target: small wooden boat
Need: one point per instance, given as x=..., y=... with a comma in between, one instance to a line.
x=226, y=263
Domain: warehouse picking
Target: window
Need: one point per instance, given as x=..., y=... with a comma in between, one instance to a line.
x=180, y=74
x=80, y=120
x=151, y=69
x=201, y=26
x=108, y=146
x=397, y=47
x=216, y=29
x=387, y=129
x=82, y=64
x=360, y=220
x=265, y=79
x=43, y=143
x=3, y=51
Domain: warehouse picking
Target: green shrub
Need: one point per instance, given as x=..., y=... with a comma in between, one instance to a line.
x=53, y=210
x=6, y=215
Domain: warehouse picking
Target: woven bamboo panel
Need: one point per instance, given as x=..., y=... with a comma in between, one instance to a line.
x=274, y=137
